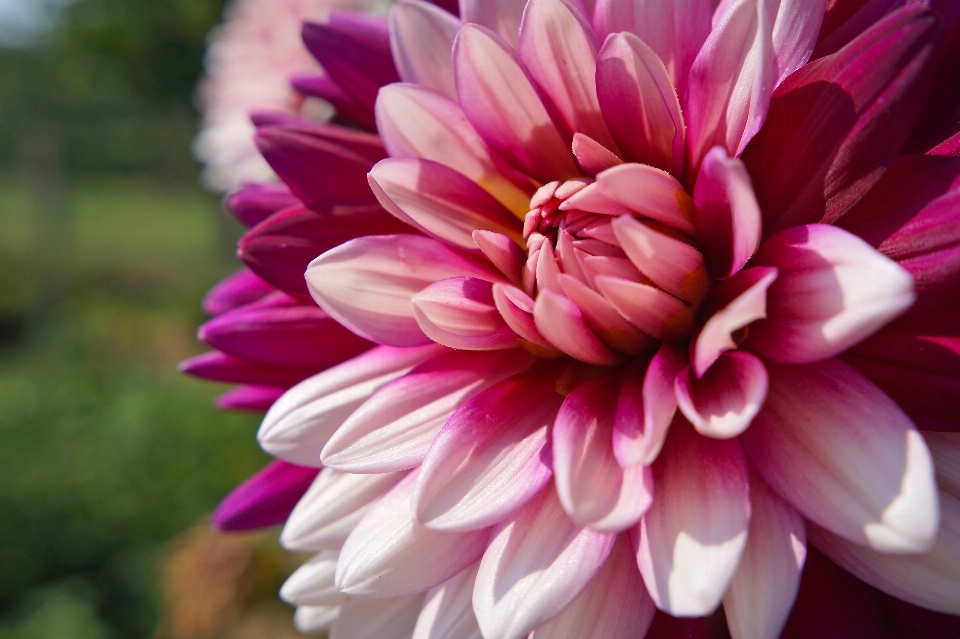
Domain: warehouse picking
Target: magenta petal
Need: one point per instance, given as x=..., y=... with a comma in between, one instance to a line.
x=505, y=254
x=726, y=214
x=847, y=20
x=490, y=458
x=348, y=108
x=724, y=401
x=367, y=284
x=266, y=499
x=640, y=103
x=421, y=37
x=593, y=488
x=280, y=248
x=221, y=367
x=837, y=123
x=282, y=332
x=833, y=290
x=459, y=312
x=440, y=201
x=514, y=123
x=249, y=397
x=254, y=203
x=243, y=287
x=559, y=49
x=561, y=322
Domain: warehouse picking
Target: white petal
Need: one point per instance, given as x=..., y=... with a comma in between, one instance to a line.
x=310, y=619
x=378, y=618
x=536, y=564
x=448, y=609
x=312, y=584
x=421, y=38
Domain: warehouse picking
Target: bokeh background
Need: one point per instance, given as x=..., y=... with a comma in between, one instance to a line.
x=110, y=460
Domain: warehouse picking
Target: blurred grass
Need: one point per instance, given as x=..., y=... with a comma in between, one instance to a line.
x=106, y=451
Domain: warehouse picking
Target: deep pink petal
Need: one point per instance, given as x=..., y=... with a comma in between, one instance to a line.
x=243, y=287
x=516, y=308
x=367, y=284
x=490, y=458
x=690, y=541
x=265, y=499
x=221, y=367
x=844, y=455
x=726, y=214
x=592, y=156
x=514, y=123
x=837, y=123
x=651, y=310
x=832, y=291
x=249, y=397
x=505, y=254
x=459, y=312
x=593, y=488
x=254, y=203
x=639, y=103
x=421, y=37
x=603, y=318
x=561, y=322
x=650, y=193
x=440, y=201
x=724, y=401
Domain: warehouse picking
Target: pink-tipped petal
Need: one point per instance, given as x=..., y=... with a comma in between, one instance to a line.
x=592, y=156
x=593, y=199
x=561, y=322
x=640, y=103
x=514, y=123
x=459, y=312
x=748, y=290
x=300, y=423
x=516, y=308
x=651, y=310
x=505, y=254
x=930, y=579
x=765, y=585
x=833, y=290
x=603, y=318
x=419, y=123
x=331, y=508
x=448, y=609
x=614, y=605
x=265, y=499
x=731, y=80
x=439, y=201
x=675, y=31
x=367, y=284
x=593, y=488
x=390, y=554
x=671, y=264
x=421, y=37
x=795, y=31
x=394, y=428
x=537, y=562
x=490, y=458
x=724, y=401
x=726, y=214
x=559, y=49
x=690, y=541
x=844, y=455
x=649, y=192
x=501, y=16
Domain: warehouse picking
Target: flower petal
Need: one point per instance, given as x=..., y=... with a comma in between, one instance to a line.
x=603, y=318
x=253, y=203
x=418, y=123
x=448, y=609
x=250, y=397
x=242, y=287
x=561, y=322
x=844, y=454
x=499, y=99
x=614, y=605
x=649, y=192
x=265, y=499
x=651, y=310
x=459, y=312
x=645, y=407
x=331, y=507
x=592, y=156
x=438, y=200
x=505, y=254
x=516, y=308
x=765, y=585
x=298, y=425
x=421, y=37
x=312, y=583
x=833, y=290
x=490, y=458
x=945, y=450
x=726, y=214
x=308, y=619
x=593, y=488
x=501, y=16
x=390, y=554
x=930, y=579
x=362, y=618
x=559, y=49
x=690, y=541
x=367, y=284
x=536, y=564
x=639, y=103
x=394, y=428
x=725, y=400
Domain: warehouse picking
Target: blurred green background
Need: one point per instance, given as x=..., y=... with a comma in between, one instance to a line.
x=107, y=244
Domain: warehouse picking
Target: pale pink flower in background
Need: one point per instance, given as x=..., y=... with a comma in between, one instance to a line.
x=673, y=292
x=250, y=61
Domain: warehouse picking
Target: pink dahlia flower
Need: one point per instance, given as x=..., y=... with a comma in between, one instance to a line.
x=647, y=296
x=250, y=61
